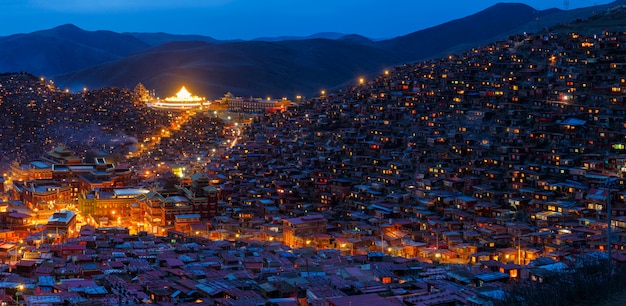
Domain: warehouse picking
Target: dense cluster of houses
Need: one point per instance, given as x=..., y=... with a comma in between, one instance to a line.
x=515, y=146
x=439, y=182
x=34, y=112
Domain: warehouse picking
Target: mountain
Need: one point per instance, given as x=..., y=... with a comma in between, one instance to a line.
x=245, y=68
x=480, y=27
x=288, y=67
x=543, y=21
x=63, y=49
x=357, y=39
x=159, y=38
x=282, y=66
x=613, y=18
x=321, y=35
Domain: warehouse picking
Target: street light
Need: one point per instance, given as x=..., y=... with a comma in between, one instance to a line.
x=19, y=288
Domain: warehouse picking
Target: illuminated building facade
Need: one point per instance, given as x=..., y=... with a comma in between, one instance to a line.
x=160, y=212
x=301, y=232
x=32, y=171
x=110, y=204
x=183, y=100
x=39, y=193
x=184, y=223
x=202, y=197
x=61, y=167
x=85, y=178
x=253, y=105
x=63, y=222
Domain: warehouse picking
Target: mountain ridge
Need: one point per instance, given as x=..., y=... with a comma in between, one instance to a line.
x=76, y=58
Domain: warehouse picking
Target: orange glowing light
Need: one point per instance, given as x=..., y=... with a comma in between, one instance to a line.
x=184, y=95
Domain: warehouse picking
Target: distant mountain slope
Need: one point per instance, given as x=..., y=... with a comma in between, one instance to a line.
x=601, y=19
x=244, y=68
x=547, y=20
x=321, y=35
x=63, y=49
x=156, y=39
x=159, y=38
x=357, y=39
x=482, y=26
x=287, y=67
x=282, y=66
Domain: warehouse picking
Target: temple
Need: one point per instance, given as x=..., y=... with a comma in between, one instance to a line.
x=183, y=100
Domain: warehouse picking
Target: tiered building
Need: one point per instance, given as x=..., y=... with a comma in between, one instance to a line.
x=166, y=211
x=183, y=100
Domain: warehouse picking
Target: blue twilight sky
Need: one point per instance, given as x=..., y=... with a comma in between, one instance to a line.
x=247, y=19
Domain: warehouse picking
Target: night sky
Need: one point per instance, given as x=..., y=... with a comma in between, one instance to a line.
x=248, y=19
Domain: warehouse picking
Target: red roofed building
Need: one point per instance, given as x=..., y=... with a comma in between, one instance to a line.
x=300, y=232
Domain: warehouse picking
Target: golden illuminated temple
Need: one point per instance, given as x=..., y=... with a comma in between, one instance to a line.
x=183, y=100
